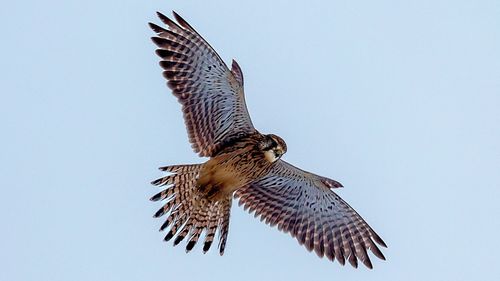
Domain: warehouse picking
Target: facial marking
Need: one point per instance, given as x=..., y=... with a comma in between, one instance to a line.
x=270, y=156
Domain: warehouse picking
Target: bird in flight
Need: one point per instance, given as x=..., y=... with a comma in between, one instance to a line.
x=243, y=163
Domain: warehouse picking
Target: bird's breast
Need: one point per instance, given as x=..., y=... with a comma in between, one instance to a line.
x=228, y=172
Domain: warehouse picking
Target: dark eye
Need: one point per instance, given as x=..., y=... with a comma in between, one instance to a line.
x=273, y=143
x=270, y=143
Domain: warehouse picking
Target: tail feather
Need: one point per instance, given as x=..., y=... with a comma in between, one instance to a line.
x=179, y=221
x=184, y=231
x=224, y=226
x=181, y=169
x=193, y=238
x=211, y=229
x=173, y=179
x=189, y=212
x=167, y=222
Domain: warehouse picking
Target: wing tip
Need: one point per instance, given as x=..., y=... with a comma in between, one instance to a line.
x=166, y=20
x=379, y=240
x=353, y=260
x=182, y=21
x=368, y=263
x=156, y=28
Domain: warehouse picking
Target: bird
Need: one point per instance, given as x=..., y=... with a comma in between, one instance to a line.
x=243, y=164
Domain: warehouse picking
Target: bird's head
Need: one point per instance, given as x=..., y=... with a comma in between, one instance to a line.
x=273, y=147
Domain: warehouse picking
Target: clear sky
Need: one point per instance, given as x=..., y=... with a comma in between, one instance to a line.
x=398, y=100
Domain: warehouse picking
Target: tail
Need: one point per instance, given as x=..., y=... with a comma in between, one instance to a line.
x=189, y=212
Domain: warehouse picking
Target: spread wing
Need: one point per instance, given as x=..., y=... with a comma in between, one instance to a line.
x=304, y=205
x=211, y=95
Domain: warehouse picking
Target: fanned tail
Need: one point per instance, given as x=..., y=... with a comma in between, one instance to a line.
x=189, y=212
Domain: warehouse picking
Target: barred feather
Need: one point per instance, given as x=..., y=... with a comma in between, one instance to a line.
x=189, y=213
x=211, y=95
x=304, y=205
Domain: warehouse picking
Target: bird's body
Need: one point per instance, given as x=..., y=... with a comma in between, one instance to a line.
x=234, y=166
x=243, y=163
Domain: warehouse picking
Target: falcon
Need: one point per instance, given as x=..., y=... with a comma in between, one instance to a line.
x=243, y=163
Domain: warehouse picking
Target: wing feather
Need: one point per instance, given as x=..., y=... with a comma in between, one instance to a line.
x=211, y=95
x=304, y=205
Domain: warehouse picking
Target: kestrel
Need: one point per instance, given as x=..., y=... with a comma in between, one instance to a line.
x=243, y=164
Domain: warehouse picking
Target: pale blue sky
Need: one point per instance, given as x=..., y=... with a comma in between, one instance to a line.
x=398, y=100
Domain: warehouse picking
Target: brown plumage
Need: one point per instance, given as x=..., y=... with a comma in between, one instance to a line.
x=243, y=163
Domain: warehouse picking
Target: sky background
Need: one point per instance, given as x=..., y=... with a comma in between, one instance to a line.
x=398, y=100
